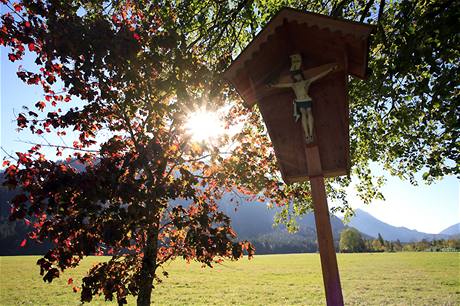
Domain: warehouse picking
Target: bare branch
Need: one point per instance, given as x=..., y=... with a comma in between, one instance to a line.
x=58, y=146
x=14, y=11
x=8, y=154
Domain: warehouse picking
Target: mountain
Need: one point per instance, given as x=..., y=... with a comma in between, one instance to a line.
x=253, y=221
x=372, y=226
x=452, y=230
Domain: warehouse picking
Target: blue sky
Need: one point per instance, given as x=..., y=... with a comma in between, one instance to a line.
x=425, y=208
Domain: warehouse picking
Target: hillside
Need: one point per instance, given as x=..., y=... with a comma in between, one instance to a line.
x=13, y=233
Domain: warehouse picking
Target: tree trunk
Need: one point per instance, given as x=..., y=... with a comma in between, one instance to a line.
x=148, y=267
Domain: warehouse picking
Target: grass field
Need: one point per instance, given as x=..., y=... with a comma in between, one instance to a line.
x=367, y=279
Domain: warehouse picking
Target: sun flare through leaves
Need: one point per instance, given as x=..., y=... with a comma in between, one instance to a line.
x=204, y=125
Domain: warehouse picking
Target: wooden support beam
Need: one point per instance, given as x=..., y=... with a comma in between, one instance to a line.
x=329, y=266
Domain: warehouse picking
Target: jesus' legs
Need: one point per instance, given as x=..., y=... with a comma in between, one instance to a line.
x=307, y=123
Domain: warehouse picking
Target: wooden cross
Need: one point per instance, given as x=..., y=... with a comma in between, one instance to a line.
x=311, y=149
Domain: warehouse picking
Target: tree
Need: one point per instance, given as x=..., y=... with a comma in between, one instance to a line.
x=453, y=243
x=398, y=246
x=377, y=246
x=135, y=69
x=381, y=240
x=405, y=116
x=351, y=241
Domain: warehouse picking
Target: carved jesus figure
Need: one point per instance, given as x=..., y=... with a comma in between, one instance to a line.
x=303, y=102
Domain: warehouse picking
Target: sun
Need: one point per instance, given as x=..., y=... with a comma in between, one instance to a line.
x=204, y=125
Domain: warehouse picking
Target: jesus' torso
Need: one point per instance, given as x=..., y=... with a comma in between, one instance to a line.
x=301, y=90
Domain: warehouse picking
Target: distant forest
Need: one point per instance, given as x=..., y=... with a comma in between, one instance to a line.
x=351, y=241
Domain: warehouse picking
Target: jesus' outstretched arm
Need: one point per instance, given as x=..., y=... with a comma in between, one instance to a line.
x=324, y=73
x=281, y=85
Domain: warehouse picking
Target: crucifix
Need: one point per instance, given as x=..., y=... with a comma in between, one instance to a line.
x=302, y=103
x=313, y=55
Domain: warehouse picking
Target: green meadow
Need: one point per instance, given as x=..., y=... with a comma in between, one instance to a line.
x=367, y=279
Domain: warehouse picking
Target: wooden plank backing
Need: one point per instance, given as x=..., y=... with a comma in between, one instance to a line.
x=330, y=106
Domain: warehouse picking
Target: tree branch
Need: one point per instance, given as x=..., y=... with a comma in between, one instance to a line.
x=226, y=23
x=8, y=154
x=58, y=146
x=337, y=10
x=365, y=10
x=381, y=7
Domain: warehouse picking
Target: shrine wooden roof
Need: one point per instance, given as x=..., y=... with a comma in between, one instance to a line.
x=350, y=35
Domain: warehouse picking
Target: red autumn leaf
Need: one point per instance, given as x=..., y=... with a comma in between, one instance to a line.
x=17, y=7
x=69, y=281
x=23, y=157
x=33, y=80
x=23, y=243
x=40, y=105
x=11, y=170
x=31, y=46
x=5, y=163
x=51, y=79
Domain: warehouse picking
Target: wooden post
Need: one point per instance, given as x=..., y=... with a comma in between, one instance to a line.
x=329, y=266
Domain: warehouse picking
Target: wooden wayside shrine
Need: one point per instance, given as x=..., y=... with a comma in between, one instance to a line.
x=329, y=50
